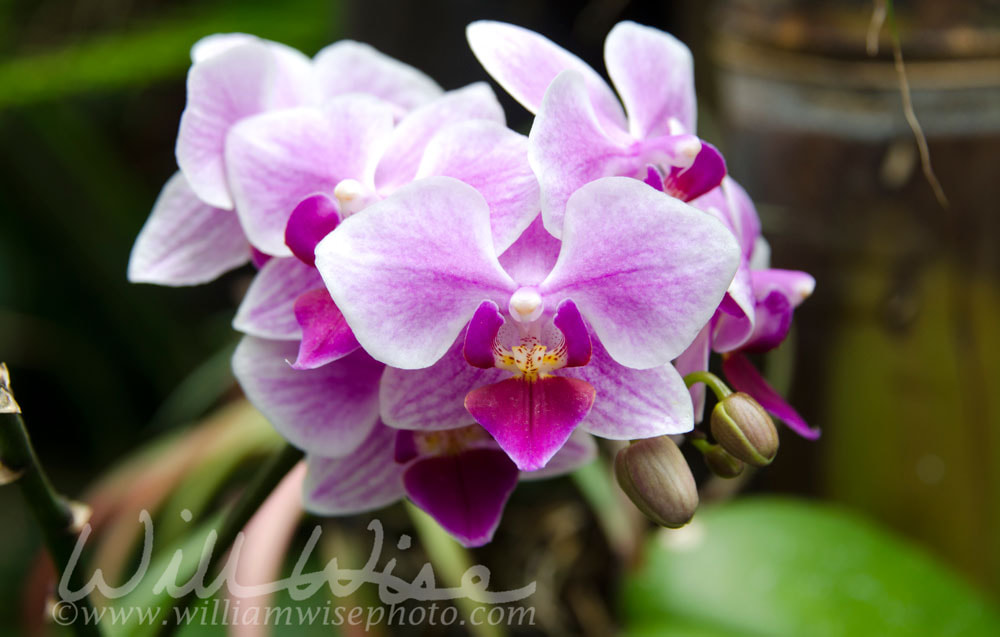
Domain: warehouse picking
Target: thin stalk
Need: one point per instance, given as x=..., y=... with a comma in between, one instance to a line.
x=51, y=510
x=713, y=382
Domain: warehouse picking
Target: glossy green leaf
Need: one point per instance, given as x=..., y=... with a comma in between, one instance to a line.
x=779, y=567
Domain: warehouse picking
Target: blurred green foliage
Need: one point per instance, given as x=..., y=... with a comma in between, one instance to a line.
x=783, y=567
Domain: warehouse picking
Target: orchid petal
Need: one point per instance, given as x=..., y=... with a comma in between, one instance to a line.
x=567, y=147
x=695, y=359
x=690, y=182
x=185, y=241
x=365, y=480
x=530, y=259
x=531, y=420
x=633, y=403
x=277, y=159
x=744, y=377
x=222, y=89
x=481, y=335
x=405, y=148
x=646, y=270
x=579, y=450
x=654, y=178
x=409, y=273
x=795, y=285
x=578, y=343
x=311, y=220
x=326, y=336
x=654, y=74
x=465, y=492
x=353, y=67
x=327, y=411
x=524, y=63
x=494, y=160
x=743, y=214
x=772, y=321
x=212, y=45
x=433, y=398
x=268, y=308
x=777, y=293
x=737, y=313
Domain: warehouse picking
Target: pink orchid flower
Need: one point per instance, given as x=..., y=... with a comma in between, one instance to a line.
x=581, y=132
x=641, y=270
x=192, y=235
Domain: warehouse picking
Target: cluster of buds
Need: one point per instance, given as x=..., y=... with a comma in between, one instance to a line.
x=657, y=478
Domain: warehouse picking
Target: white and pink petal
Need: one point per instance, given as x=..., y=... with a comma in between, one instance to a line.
x=365, y=480
x=354, y=67
x=494, y=160
x=409, y=273
x=185, y=241
x=235, y=81
x=268, y=308
x=524, y=63
x=646, y=270
x=568, y=148
x=633, y=403
x=327, y=411
x=405, y=148
x=653, y=73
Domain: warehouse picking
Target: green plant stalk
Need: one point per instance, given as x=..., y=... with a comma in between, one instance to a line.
x=713, y=382
x=595, y=482
x=236, y=520
x=51, y=510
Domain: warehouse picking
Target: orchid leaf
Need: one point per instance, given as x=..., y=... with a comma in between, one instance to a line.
x=781, y=567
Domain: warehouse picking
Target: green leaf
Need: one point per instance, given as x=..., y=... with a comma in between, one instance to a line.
x=780, y=567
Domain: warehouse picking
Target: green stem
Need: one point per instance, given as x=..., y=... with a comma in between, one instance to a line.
x=701, y=444
x=51, y=510
x=713, y=382
x=250, y=501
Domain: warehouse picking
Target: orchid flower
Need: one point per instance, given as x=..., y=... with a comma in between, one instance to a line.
x=581, y=132
x=298, y=173
x=757, y=312
x=192, y=236
x=641, y=270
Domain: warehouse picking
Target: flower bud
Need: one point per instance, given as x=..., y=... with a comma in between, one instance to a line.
x=722, y=463
x=656, y=477
x=745, y=430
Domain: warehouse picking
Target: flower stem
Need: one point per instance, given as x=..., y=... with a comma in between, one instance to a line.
x=51, y=510
x=262, y=485
x=713, y=382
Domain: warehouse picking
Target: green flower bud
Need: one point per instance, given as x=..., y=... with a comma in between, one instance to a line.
x=656, y=477
x=745, y=430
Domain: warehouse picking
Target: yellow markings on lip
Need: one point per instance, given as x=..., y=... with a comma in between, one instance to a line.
x=530, y=360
